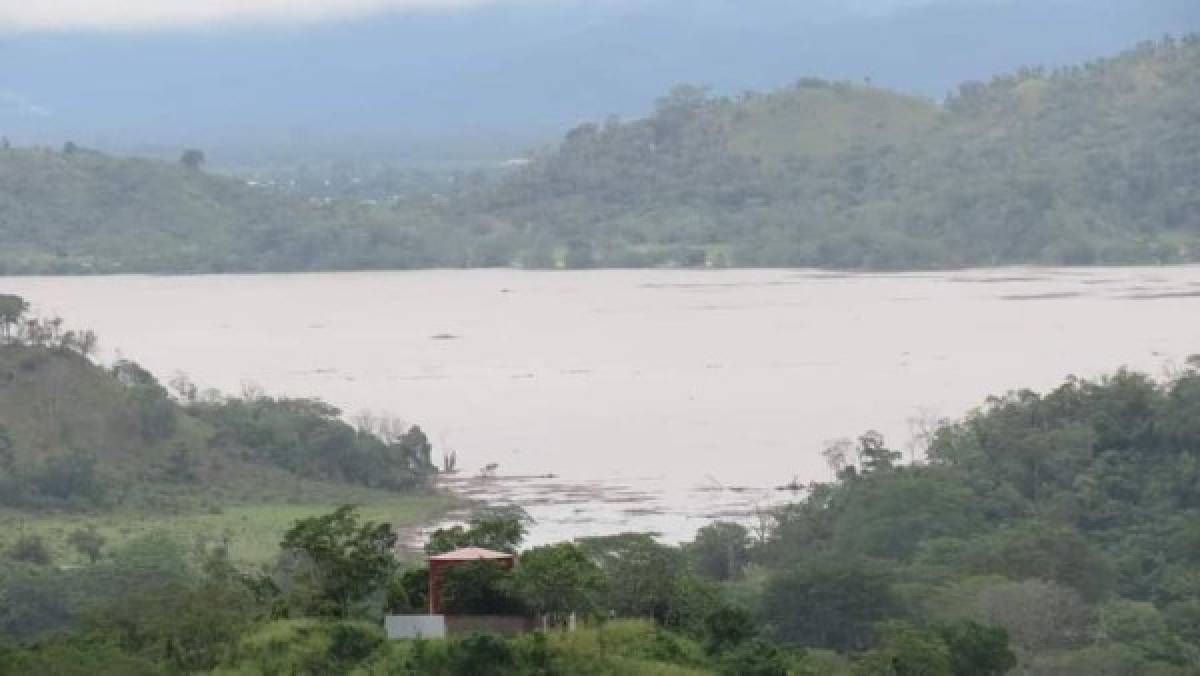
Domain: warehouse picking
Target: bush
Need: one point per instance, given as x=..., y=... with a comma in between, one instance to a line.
x=70, y=479
x=480, y=655
x=76, y=657
x=977, y=649
x=753, y=658
x=88, y=542
x=36, y=602
x=829, y=603
x=907, y=651
x=30, y=549
x=409, y=592
x=353, y=643
x=726, y=628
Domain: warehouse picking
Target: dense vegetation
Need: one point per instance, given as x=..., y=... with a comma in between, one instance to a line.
x=1069, y=519
x=1082, y=165
x=1047, y=533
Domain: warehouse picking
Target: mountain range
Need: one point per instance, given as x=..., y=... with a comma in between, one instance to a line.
x=488, y=82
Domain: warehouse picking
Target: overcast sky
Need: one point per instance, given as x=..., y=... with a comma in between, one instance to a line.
x=33, y=14
x=140, y=14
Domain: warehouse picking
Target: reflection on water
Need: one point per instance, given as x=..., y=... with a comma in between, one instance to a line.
x=656, y=385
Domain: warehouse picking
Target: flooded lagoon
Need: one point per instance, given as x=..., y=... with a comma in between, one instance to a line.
x=652, y=399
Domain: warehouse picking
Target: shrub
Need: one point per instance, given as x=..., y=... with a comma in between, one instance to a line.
x=70, y=478
x=88, y=542
x=481, y=654
x=753, y=658
x=353, y=643
x=726, y=628
x=30, y=549
x=978, y=649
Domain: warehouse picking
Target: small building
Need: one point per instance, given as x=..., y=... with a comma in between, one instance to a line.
x=438, y=565
x=437, y=624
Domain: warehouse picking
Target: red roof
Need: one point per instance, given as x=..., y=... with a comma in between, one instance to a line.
x=472, y=554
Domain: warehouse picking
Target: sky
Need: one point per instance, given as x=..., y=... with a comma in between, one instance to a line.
x=254, y=79
x=153, y=14
x=136, y=14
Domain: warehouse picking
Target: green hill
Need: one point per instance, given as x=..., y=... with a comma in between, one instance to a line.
x=111, y=447
x=1098, y=163
x=80, y=436
x=1083, y=165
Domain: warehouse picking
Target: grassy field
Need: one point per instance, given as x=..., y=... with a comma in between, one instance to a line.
x=253, y=531
x=622, y=647
x=824, y=121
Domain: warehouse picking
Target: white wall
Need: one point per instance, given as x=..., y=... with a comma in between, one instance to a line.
x=415, y=626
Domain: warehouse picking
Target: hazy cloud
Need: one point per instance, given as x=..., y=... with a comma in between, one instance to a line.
x=139, y=14
x=12, y=102
x=118, y=14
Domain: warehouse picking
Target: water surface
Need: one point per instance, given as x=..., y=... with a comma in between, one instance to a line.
x=658, y=399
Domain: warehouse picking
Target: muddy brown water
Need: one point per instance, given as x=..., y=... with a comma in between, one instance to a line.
x=659, y=399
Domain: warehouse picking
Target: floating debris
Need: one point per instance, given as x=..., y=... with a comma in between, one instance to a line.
x=1043, y=296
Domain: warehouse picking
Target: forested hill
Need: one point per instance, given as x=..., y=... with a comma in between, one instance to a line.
x=1090, y=164
x=76, y=436
x=1085, y=165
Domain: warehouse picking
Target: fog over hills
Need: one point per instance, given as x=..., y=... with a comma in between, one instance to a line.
x=488, y=81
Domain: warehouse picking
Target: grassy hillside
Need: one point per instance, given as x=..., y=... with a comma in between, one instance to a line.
x=111, y=449
x=818, y=121
x=1082, y=165
x=56, y=406
x=82, y=210
x=248, y=527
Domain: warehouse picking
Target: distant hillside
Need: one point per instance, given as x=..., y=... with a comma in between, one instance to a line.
x=1099, y=163
x=1082, y=165
x=77, y=211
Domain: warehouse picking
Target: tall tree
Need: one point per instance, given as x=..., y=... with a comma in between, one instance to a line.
x=344, y=559
x=498, y=532
x=192, y=159
x=830, y=603
x=12, y=308
x=874, y=455
x=559, y=579
x=721, y=550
